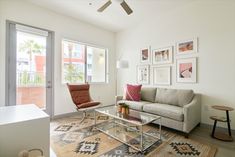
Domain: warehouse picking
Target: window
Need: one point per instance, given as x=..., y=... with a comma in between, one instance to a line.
x=83, y=63
x=73, y=62
x=96, y=62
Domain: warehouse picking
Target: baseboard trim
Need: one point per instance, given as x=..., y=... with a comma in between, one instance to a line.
x=75, y=113
x=65, y=115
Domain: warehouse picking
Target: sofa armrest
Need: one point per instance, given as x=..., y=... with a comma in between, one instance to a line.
x=192, y=114
x=118, y=98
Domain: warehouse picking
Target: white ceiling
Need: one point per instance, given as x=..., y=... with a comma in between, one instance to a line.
x=113, y=18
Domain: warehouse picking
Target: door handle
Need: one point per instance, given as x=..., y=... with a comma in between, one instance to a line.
x=48, y=84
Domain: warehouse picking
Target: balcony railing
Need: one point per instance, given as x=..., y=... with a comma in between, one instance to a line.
x=30, y=78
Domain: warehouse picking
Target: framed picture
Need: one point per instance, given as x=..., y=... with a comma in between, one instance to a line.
x=187, y=70
x=145, y=55
x=162, y=75
x=162, y=56
x=143, y=74
x=186, y=46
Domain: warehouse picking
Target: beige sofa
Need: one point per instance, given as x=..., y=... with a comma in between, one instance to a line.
x=180, y=109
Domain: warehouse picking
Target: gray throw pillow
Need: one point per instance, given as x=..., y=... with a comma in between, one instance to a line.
x=148, y=94
x=178, y=97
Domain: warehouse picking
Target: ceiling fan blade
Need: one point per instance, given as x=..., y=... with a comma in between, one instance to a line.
x=126, y=7
x=102, y=8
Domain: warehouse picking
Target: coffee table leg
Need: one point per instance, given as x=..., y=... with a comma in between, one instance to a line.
x=115, y=126
x=228, y=122
x=141, y=138
x=160, y=128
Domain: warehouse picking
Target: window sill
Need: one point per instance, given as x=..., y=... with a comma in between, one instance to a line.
x=97, y=83
x=91, y=83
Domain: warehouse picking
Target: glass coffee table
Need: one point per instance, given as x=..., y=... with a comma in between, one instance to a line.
x=129, y=128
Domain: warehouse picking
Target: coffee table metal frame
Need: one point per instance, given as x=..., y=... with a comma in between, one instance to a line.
x=117, y=118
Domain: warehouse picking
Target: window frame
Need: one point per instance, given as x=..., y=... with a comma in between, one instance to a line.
x=85, y=63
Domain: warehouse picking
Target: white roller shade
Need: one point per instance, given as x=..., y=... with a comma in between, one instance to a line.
x=35, y=31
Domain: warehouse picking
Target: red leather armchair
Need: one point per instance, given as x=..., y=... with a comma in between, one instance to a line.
x=81, y=98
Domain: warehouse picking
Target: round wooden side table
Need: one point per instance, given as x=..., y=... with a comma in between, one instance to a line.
x=219, y=135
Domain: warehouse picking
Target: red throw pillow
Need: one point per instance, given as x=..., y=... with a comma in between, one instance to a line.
x=133, y=92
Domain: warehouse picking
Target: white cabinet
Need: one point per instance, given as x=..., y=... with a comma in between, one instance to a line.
x=23, y=127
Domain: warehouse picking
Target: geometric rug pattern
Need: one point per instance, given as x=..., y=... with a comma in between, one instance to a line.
x=71, y=139
x=184, y=149
x=87, y=147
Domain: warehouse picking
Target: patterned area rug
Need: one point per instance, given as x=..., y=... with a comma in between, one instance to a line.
x=71, y=139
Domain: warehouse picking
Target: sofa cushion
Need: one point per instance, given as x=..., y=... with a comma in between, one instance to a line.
x=148, y=94
x=165, y=110
x=178, y=97
x=135, y=105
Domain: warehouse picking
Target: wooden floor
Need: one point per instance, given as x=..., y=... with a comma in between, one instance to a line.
x=225, y=149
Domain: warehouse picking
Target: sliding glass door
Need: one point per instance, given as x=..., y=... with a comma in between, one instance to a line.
x=29, y=70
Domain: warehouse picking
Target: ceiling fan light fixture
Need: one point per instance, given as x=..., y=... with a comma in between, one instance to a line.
x=126, y=7
x=102, y=8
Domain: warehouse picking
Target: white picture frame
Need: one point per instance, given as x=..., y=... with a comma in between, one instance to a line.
x=162, y=55
x=143, y=74
x=185, y=47
x=186, y=71
x=145, y=55
x=161, y=75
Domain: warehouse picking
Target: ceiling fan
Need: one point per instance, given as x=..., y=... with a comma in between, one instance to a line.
x=124, y=5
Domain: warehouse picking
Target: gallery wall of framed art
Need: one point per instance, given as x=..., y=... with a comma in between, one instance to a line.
x=162, y=55
x=156, y=64
x=145, y=55
x=186, y=70
x=188, y=46
x=162, y=75
x=143, y=74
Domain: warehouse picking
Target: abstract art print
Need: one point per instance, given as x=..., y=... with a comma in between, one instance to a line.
x=162, y=56
x=187, y=70
x=186, y=46
x=145, y=56
x=162, y=75
x=143, y=74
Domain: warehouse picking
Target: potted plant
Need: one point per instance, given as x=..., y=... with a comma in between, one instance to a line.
x=123, y=108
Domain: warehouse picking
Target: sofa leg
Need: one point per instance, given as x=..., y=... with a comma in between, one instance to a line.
x=198, y=124
x=186, y=135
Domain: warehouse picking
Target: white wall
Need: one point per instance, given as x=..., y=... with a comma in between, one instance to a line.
x=213, y=22
x=64, y=27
